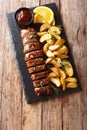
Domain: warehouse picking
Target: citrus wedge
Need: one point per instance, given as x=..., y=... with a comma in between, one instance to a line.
x=45, y=12
x=38, y=19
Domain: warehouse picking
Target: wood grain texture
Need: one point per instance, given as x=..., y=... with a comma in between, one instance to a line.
x=74, y=19
x=67, y=113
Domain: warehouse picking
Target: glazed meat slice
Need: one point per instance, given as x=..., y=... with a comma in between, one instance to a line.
x=34, y=54
x=35, y=62
x=25, y=32
x=41, y=83
x=31, y=46
x=47, y=90
x=29, y=38
x=39, y=75
x=37, y=68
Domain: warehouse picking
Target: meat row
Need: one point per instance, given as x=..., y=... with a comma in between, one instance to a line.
x=35, y=62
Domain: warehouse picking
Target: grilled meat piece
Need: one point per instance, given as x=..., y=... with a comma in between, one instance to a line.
x=39, y=75
x=25, y=32
x=31, y=47
x=37, y=68
x=29, y=38
x=34, y=62
x=46, y=90
x=34, y=54
x=41, y=82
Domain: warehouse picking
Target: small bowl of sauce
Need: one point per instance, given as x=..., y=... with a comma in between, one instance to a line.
x=24, y=17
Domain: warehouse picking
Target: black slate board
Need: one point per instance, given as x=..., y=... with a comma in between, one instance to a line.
x=30, y=95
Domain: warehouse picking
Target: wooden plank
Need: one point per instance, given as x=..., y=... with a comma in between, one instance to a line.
x=1, y=70
x=31, y=114
x=11, y=84
x=74, y=18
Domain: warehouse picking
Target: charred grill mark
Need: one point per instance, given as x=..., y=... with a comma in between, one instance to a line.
x=33, y=55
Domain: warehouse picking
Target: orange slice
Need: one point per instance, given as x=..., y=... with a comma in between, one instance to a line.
x=46, y=14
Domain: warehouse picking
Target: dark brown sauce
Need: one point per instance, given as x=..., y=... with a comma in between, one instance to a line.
x=24, y=16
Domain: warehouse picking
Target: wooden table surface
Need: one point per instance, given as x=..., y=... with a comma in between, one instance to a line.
x=66, y=113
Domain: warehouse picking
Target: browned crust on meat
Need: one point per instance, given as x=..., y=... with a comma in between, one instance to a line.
x=34, y=62
x=39, y=75
x=31, y=46
x=41, y=83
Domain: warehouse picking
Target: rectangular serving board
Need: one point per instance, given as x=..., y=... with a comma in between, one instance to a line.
x=14, y=30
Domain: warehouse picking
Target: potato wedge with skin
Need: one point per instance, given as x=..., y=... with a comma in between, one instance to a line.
x=57, y=59
x=56, y=71
x=50, y=41
x=45, y=37
x=55, y=63
x=45, y=47
x=48, y=60
x=61, y=56
x=71, y=79
x=50, y=54
x=55, y=35
x=53, y=47
x=44, y=27
x=41, y=33
x=68, y=68
x=60, y=42
x=63, y=84
x=63, y=50
x=51, y=75
x=62, y=74
x=55, y=29
x=56, y=81
x=72, y=85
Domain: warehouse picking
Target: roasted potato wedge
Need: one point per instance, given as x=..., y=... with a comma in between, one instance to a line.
x=41, y=33
x=57, y=59
x=50, y=54
x=63, y=50
x=71, y=79
x=72, y=85
x=61, y=56
x=55, y=35
x=51, y=75
x=55, y=29
x=56, y=71
x=55, y=63
x=68, y=68
x=63, y=84
x=56, y=81
x=45, y=47
x=48, y=60
x=62, y=74
x=53, y=47
x=45, y=37
x=60, y=42
x=50, y=41
x=44, y=27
